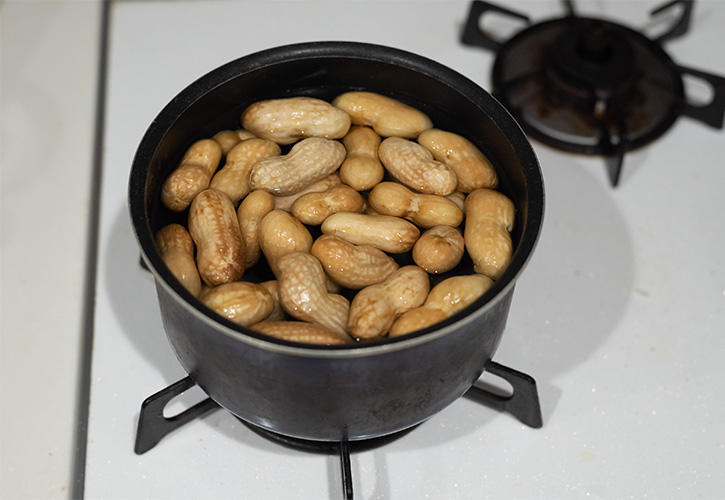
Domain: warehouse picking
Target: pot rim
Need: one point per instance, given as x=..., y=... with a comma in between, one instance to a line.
x=336, y=49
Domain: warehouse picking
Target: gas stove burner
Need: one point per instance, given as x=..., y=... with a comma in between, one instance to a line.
x=522, y=403
x=592, y=86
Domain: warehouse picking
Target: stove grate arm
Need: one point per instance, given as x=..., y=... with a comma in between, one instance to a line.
x=681, y=26
x=522, y=404
x=153, y=425
x=472, y=32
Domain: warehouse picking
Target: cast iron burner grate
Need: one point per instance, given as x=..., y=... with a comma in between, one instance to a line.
x=592, y=86
x=523, y=403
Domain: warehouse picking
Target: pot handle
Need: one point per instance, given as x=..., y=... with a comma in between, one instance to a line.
x=522, y=404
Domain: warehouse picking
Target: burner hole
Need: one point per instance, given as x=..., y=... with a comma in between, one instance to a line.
x=495, y=385
x=698, y=92
x=500, y=27
x=184, y=401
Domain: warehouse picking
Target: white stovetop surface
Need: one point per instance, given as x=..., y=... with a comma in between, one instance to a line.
x=620, y=316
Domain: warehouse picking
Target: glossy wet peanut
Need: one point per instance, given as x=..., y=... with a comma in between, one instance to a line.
x=278, y=313
x=242, y=302
x=286, y=202
x=352, y=266
x=361, y=169
x=414, y=166
x=303, y=293
x=374, y=308
x=387, y=116
x=213, y=225
x=313, y=208
x=233, y=178
x=439, y=249
x=250, y=213
x=473, y=169
x=192, y=176
x=288, y=120
x=425, y=210
x=309, y=161
x=389, y=234
x=460, y=200
x=299, y=331
x=176, y=249
x=227, y=139
x=490, y=219
x=445, y=299
x=280, y=233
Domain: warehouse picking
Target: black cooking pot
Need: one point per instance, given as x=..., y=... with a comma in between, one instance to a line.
x=331, y=393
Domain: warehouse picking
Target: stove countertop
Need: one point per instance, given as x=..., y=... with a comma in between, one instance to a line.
x=619, y=315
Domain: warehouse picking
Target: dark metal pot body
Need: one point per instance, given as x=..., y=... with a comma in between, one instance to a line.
x=331, y=393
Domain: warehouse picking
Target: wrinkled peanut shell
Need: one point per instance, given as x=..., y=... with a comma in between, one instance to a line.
x=288, y=120
x=414, y=166
x=352, y=266
x=176, y=249
x=389, y=234
x=233, y=178
x=387, y=116
x=242, y=302
x=192, y=176
x=490, y=218
x=299, y=331
x=439, y=249
x=214, y=227
x=309, y=161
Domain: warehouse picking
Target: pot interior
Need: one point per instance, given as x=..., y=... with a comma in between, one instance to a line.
x=325, y=70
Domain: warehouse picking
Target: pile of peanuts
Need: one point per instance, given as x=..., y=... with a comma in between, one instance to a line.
x=372, y=173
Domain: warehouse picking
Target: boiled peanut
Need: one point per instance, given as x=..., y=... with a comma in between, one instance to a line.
x=280, y=234
x=250, y=213
x=352, y=266
x=227, y=139
x=285, y=202
x=278, y=313
x=242, y=302
x=459, y=199
x=490, y=219
x=439, y=249
x=192, y=176
x=299, y=331
x=367, y=209
x=473, y=169
x=309, y=161
x=302, y=293
x=387, y=116
x=314, y=208
x=214, y=227
x=233, y=178
x=445, y=299
x=177, y=251
x=374, y=308
x=425, y=210
x=287, y=120
x=414, y=166
x=389, y=234
x=361, y=169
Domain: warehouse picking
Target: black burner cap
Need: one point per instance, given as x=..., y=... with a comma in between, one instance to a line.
x=582, y=85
